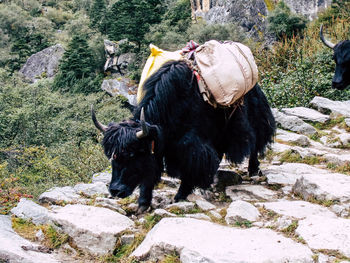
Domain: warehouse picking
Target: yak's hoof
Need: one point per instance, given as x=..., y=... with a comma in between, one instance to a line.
x=141, y=209
x=179, y=199
x=256, y=173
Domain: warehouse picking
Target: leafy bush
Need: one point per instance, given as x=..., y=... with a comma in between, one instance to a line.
x=76, y=69
x=25, y=35
x=283, y=23
x=297, y=69
x=58, y=16
x=143, y=13
x=47, y=138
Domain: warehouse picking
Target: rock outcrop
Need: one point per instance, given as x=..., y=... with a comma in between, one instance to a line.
x=43, y=64
x=251, y=15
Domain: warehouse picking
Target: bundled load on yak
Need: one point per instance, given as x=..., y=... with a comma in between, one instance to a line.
x=225, y=71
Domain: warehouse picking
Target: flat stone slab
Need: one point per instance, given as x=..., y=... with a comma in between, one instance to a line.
x=171, y=182
x=57, y=195
x=93, y=229
x=329, y=186
x=103, y=177
x=280, y=147
x=287, y=174
x=306, y=114
x=205, y=205
x=297, y=209
x=336, y=107
x=339, y=159
x=27, y=209
x=185, y=206
x=250, y=193
x=326, y=233
x=293, y=123
x=347, y=122
x=109, y=203
x=11, y=246
x=294, y=138
x=95, y=189
x=203, y=241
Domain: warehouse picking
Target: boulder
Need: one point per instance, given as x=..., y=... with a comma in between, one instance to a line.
x=293, y=123
x=42, y=63
x=249, y=15
x=337, y=108
x=121, y=87
x=11, y=246
x=329, y=186
x=308, y=8
x=117, y=58
x=326, y=233
x=93, y=229
x=306, y=114
x=27, y=209
x=240, y=211
x=202, y=241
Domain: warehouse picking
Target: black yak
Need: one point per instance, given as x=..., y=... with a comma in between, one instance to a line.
x=341, y=78
x=173, y=123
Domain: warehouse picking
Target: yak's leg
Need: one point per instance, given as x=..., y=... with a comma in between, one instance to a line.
x=253, y=167
x=145, y=198
x=184, y=190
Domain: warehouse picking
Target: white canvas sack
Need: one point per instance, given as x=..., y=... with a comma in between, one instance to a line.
x=228, y=70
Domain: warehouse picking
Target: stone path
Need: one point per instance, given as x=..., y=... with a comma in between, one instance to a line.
x=299, y=211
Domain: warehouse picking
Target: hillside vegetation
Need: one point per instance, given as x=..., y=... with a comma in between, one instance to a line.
x=46, y=135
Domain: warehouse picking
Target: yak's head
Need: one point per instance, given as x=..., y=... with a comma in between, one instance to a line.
x=130, y=147
x=341, y=57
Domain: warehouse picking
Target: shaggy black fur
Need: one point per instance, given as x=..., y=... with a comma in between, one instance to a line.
x=187, y=132
x=341, y=57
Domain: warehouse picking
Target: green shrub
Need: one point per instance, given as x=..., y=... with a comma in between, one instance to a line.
x=283, y=23
x=47, y=138
x=77, y=69
x=58, y=16
x=144, y=13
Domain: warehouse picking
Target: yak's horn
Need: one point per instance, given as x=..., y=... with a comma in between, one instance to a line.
x=144, y=128
x=326, y=42
x=98, y=125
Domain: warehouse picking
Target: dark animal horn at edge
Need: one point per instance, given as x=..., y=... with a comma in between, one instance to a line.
x=98, y=125
x=326, y=42
x=144, y=128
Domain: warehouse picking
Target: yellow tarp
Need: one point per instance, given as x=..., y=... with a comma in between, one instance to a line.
x=157, y=58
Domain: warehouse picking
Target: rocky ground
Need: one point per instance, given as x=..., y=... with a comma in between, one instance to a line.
x=298, y=211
